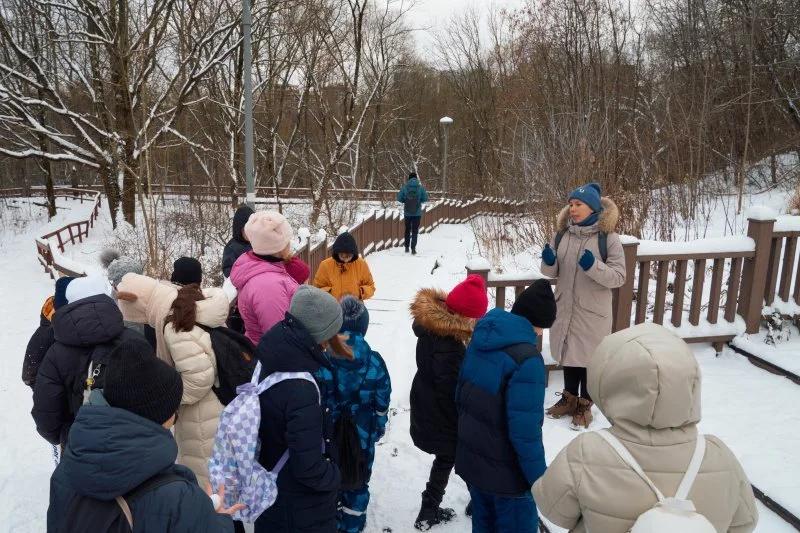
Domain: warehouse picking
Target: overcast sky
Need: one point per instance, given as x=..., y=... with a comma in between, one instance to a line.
x=433, y=15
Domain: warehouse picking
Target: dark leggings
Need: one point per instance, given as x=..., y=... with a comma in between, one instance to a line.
x=437, y=482
x=575, y=379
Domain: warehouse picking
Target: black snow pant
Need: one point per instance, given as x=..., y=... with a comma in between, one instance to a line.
x=575, y=380
x=412, y=231
x=437, y=481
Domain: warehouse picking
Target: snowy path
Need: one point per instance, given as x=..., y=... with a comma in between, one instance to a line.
x=753, y=411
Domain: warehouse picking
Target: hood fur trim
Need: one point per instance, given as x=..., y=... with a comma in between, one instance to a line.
x=430, y=312
x=608, y=217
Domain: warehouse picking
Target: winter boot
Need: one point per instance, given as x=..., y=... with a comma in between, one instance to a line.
x=430, y=514
x=413, y=251
x=566, y=406
x=583, y=415
x=406, y=249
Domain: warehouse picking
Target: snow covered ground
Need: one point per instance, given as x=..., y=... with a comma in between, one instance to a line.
x=753, y=411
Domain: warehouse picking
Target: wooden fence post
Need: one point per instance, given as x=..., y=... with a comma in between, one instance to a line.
x=754, y=273
x=622, y=297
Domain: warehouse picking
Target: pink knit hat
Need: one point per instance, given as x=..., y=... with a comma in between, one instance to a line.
x=268, y=232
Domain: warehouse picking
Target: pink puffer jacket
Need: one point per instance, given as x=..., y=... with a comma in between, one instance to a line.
x=265, y=292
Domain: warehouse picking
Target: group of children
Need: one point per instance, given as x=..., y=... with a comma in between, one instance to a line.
x=119, y=364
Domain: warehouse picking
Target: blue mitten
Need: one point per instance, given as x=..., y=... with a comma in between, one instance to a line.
x=548, y=255
x=587, y=260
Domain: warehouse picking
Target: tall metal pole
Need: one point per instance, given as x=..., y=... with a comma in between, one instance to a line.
x=249, y=160
x=445, y=122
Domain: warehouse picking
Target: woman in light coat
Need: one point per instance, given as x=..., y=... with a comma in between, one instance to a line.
x=646, y=381
x=583, y=292
x=190, y=347
x=144, y=300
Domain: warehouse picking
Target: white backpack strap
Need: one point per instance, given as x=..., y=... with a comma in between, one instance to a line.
x=626, y=456
x=694, y=468
x=277, y=377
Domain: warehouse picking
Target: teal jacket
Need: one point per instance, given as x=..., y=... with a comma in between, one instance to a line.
x=412, y=185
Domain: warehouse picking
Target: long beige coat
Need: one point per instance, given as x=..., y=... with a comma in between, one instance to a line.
x=583, y=298
x=145, y=300
x=646, y=381
x=198, y=415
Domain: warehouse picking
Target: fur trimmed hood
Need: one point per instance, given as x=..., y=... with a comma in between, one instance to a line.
x=608, y=217
x=430, y=312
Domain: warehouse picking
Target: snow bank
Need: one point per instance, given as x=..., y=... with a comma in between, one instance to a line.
x=479, y=263
x=760, y=212
x=787, y=223
x=628, y=239
x=706, y=329
x=700, y=246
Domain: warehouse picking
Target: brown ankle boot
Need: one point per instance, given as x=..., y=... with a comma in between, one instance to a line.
x=566, y=406
x=583, y=415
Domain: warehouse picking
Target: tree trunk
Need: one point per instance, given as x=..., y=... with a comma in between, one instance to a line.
x=123, y=111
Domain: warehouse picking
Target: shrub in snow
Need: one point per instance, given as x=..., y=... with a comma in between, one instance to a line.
x=779, y=329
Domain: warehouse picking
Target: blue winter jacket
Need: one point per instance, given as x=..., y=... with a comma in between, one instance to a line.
x=362, y=387
x=499, y=397
x=112, y=451
x=412, y=185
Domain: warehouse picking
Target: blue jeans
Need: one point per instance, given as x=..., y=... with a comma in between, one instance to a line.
x=503, y=514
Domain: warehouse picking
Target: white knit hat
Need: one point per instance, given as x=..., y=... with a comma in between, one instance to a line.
x=87, y=286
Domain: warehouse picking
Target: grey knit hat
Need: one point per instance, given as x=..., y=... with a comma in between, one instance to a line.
x=318, y=311
x=119, y=266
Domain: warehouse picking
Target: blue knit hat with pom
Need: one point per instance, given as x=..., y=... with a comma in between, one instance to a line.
x=589, y=194
x=60, y=294
x=356, y=317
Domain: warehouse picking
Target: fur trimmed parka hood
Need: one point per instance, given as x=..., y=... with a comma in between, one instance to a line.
x=430, y=312
x=609, y=217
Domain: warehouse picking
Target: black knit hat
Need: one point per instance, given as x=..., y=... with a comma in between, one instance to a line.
x=537, y=304
x=139, y=382
x=412, y=175
x=186, y=270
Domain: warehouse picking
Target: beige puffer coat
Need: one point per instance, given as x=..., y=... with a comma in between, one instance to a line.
x=198, y=415
x=646, y=381
x=145, y=300
x=584, y=297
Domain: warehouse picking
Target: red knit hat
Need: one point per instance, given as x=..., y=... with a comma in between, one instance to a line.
x=468, y=298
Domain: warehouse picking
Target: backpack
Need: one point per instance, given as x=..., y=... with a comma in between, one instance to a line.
x=93, y=377
x=234, y=460
x=669, y=514
x=602, y=243
x=412, y=203
x=90, y=515
x=235, y=361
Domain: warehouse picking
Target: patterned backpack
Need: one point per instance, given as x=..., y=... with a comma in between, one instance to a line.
x=234, y=461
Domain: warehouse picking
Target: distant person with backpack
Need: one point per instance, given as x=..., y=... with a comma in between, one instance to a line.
x=85, y=331
x=261, y=276
x=43, y=338
x=239, y=243
x=412, y=195
x=295, y=430
x=118, y=472
x=647, y=383
x=345, y=272
x=443, y=324
x=500, y=399
x=194, y=313
x=586, y=257
x=358, y=395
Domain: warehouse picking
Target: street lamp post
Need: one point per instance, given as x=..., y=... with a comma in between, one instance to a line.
x=249, y=161
x=445, y=122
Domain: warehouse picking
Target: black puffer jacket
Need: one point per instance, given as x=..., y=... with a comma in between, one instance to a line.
x=41, y=341
x=291, y=417
x=83, y=330
x=441, y=343
x=238, y=244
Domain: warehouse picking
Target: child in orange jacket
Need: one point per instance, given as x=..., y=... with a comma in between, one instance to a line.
x=345, y=272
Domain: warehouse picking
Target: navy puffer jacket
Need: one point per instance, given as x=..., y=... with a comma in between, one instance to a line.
x=500, y=398
x=292, y=418
x=238, y=244
x=112, y=451
x=83, y=330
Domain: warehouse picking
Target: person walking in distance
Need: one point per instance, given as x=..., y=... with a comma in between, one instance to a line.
x=587, y=258
x=412, y=195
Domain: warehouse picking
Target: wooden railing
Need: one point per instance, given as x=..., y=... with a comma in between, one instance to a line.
x=49, y=257
x=385, y=228
x=747, y=273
